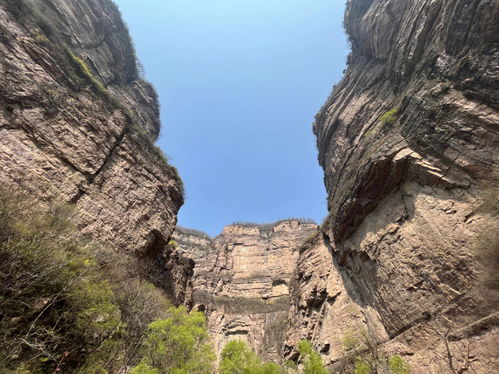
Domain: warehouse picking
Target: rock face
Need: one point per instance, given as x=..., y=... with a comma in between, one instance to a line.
x=407, y=259
x=77, y=123
x=407, y=141
x=241, y=280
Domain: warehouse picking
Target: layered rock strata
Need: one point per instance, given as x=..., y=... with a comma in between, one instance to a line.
x=407, y=141
x=77, y=122
x=241, y=280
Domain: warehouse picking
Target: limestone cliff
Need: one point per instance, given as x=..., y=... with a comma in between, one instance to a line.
x=407, y=141
x=78, y=123
x=241, y=280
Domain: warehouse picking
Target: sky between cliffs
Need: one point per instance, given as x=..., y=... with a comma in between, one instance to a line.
x=239, y=83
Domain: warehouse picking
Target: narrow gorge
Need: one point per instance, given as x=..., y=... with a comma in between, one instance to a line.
x=404, y=264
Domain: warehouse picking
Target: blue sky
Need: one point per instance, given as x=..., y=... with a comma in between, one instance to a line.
x=239, y=83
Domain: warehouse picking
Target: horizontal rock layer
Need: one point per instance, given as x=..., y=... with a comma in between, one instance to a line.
x=407, y=141
x=77, y=123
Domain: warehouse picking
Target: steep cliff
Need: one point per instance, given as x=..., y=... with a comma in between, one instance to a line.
x=407, y=141
x=77, y=122
x=241, y=280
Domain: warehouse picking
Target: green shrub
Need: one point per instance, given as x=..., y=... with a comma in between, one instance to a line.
x=61, y=308
x=56, y=308
x=397, y=365
x=349, y=342
x=144, y=368
x=40, y=38
x=361, y=366
x=177, y=344
x=86, y=72
x=291, y=364
x=370, y=358
x=237, y=358
x=311, y=359
x=389, y=117
x=270, y=368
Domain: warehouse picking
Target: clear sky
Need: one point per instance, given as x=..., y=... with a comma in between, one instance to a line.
x=239, y=83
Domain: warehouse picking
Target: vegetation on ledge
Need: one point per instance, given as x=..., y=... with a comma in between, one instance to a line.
x=390, y=116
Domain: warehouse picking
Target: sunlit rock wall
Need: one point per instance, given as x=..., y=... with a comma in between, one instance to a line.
x=241, y=280
x=77, y=123
x=408, y=144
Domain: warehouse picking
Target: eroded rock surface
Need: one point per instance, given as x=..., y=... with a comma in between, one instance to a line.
x=77, y=123
x=241, y=280
x=408, y=144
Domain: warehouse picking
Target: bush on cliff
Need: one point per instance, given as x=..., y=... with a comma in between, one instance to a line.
x=238, y=358
x=312, y=362
x=61, y=308
x=398, y=365
x=369, y=356
x=390, y=116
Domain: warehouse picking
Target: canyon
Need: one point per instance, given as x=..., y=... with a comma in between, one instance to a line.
x=406, y=261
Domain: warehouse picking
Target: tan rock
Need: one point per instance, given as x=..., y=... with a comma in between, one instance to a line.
x=401, y=255
x=62, y=137
x=241, y=280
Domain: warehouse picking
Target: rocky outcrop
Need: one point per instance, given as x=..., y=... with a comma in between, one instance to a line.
x=241, y=280
x=407, y=141
x=77, y=122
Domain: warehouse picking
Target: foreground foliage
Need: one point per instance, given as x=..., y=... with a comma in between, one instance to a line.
x=238, y=358
x=65, y=306
x=178, y=344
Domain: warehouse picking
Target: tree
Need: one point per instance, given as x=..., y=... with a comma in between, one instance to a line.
x=178, y=344
x=237, y=358
x=57, y=311
x=67, y=304
x=311, y=359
